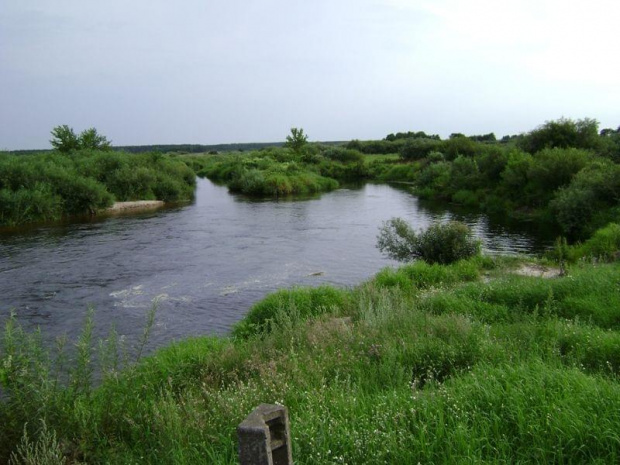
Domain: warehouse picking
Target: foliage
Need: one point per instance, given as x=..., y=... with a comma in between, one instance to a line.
x=376, y=147
x=459, y=145
x=588, y=201
x=563, y=133
x=554, y=168
x=297, y=140
x=49, y=186
x=273, y=173
x=440, y=243
x=416, y=149
x=90, y=139
x=411, y=135
x=603, y=245
x=343, y=155
x=65, y=140
x=434, y=179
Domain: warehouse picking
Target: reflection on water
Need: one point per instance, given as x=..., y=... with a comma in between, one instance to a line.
x=208, y=262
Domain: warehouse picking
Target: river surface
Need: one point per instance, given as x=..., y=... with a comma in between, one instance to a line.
x=208, y=261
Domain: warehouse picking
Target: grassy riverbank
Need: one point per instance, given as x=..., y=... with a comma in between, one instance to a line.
x=434, y=364
x=50, y=186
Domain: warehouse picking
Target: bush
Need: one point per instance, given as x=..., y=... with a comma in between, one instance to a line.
x=440, y=243
x=459, y=145
x=554, y=168
x=603, y=245
x=415, y=149
x=343, y=155
x=563, y=133
x=465, y=174
x=435, y=178
x=43, y=187
x=82, y=195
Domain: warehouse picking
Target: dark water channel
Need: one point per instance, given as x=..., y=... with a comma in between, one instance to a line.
x=207, y=262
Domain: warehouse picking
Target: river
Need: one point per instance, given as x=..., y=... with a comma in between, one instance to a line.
x=208, y=261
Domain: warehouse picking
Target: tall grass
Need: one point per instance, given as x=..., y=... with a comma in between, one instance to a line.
x=423, y=364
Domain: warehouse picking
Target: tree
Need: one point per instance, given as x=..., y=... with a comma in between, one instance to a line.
x=562, y=133
x=297, y=140
x=90, y=139
x=65, y=140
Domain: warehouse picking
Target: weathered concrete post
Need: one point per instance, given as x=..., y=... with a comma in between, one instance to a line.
x=265, y=437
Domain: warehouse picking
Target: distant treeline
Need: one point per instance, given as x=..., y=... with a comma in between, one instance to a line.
x=175, y=148
x=184, y=148
x=197, y=148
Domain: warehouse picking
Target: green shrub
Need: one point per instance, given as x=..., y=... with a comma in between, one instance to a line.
x=464, y=174
x=343, y=155
x=405, y=172
x=563, y=133
x=603, y=245
x=587, y=202
x=459, y=145
x=554, y=168
x=416, y=149
x=169, y=189
x=344, y=171
x=48, y=186
x=573, y=209
x=440, y=243
x=435, y=177
x=514, y=177
x=447, y=243
x=29, y=205
x=466, y=197
x=82, y=195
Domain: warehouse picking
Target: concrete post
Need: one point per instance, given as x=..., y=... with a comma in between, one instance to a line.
x=265, y=437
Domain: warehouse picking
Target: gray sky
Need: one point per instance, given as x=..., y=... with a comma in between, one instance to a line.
x=218, y=71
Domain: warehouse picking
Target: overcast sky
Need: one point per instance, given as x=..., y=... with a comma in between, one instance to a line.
x=219, y=71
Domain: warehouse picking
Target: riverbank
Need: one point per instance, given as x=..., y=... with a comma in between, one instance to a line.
x=137, y=205
x=459, y=363
x=49, y=187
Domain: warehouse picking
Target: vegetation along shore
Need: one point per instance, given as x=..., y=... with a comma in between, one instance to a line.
x=453, y=357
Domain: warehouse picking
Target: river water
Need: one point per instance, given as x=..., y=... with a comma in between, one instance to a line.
x=208, y=261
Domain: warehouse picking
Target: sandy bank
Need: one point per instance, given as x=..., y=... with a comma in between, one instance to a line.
x=121, y=207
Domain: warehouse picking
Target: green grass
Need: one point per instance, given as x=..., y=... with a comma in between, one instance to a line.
x=425, y=363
